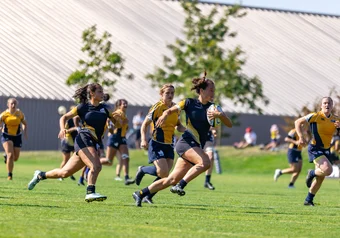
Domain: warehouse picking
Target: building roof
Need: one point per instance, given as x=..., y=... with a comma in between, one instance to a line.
x=295, y=54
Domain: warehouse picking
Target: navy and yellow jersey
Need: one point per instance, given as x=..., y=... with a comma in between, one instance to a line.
x=121, y=129
x=294, y=136
x=93, y=118
x=322, y=128
x=334, y=143
x=196, y=118
x=12, y=122
x=165, y=133
x=69, y=137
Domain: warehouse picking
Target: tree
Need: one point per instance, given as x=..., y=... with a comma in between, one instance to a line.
x=202, y=50
x=102, y=64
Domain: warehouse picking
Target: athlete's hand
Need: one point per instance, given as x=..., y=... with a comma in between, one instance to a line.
x=302, y=141
x=62, y=134
x=337, y=124
x=144, y=144
x=161, y=120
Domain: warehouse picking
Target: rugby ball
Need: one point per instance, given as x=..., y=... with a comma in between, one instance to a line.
x=216, y=121
x=61, y=110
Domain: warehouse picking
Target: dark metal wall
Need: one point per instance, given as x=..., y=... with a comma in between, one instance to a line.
x=43, y=123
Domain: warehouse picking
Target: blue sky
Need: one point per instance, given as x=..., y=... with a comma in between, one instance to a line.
x=317, y=6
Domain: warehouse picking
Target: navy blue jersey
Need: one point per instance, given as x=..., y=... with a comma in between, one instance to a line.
x=93, y=118
x=196, y=118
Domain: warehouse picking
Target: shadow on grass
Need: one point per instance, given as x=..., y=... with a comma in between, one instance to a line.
x=26, y=205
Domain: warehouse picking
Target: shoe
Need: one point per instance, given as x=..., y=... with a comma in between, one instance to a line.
x=95, y=197
x=147, y=200
x=209, y=186
x=307, y=203
x=309, y=179
x=73, y=178
x=5, y=158
x=34, y=180
x=277, y=174
x=118, y=178
x=81, y=183
x=291, y=186
x=177, y=189
x=9, y=178
x=129, y=181
x=139, y=175
x=137, y=198
x=60, y=179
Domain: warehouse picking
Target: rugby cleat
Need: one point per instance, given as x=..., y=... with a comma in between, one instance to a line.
x=138, y=198
x=177, y=189
x=309, y=178
x=147, y=200
x=209, y=186
x=139, y=175
x=277, y=174
x=91, y=197
x=309, y=203
x=34, y=180
x=129, y=181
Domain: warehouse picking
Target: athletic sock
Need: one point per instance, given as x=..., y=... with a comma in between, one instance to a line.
x=310, y=197
x=207, y=178
x=144, y=192
x=90, y=189
x=150, y=170
x=182, y=183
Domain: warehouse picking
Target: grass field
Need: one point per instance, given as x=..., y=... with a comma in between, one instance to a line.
x=246, y=203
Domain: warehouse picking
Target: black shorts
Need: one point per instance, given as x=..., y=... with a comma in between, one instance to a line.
x=115, y=141
x=138, y=134
x=315, y=152
x=185, y=142
x=66, y=147
x=158, y=151
x=17, y=140
x=294, y=156
x=84, y=139
x=333, y=158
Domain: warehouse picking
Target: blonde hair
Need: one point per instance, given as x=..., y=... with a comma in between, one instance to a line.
x=165, y=86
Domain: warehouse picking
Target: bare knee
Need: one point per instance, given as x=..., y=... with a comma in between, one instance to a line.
x=205, y=165
x=328, y=171
x=171, y=181
x=162, y=173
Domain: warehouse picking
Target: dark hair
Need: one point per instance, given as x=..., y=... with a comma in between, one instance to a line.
x=119, y=102
x=106, y=97
x=83, y=94
x=200, y=83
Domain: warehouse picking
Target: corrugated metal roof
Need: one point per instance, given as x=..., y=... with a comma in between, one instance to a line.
x=296, y=55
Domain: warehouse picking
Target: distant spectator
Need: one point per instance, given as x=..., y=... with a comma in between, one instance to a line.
x=137, y=122
x=274, y=139
x=249, y=139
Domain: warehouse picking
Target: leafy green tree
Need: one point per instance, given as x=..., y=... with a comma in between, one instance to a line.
x=202, y=50
x=101, y=65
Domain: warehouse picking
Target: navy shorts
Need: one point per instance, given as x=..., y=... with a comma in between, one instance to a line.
x=333, y=158
x=185, y=142
x=315, y=152
x=84, y=139
x=115, y=141
x=17, y=140
x=294, y=156
x=66, y=147
x=158, y=151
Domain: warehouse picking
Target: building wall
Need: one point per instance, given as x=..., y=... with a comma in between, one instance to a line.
x=43, y=123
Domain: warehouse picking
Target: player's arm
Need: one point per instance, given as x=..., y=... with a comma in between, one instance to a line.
x=143, y=130
x=165, y=114
x=64, y=119
x=299, y=123
x=220, y=115
x=180, y=127
x=24, y=126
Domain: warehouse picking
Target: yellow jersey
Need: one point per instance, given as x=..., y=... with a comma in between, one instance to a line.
x=121, y=129
x=12, y=122
x=165, y=133
x=294, y=136
x=322, y=128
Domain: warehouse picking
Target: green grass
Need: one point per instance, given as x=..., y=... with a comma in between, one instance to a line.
x=246, y=203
